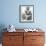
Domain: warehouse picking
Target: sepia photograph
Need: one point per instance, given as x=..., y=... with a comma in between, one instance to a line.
x=26, y=13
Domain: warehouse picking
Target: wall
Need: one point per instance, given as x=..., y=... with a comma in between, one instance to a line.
x=9, y=13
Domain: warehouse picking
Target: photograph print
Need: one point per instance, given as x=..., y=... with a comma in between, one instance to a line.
x=26, y=13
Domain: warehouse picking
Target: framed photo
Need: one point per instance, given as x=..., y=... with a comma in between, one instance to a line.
x=26, y=13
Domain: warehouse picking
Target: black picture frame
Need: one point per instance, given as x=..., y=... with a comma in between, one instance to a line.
x=26, y=13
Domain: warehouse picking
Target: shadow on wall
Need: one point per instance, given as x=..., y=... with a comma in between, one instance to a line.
x=2, y=26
